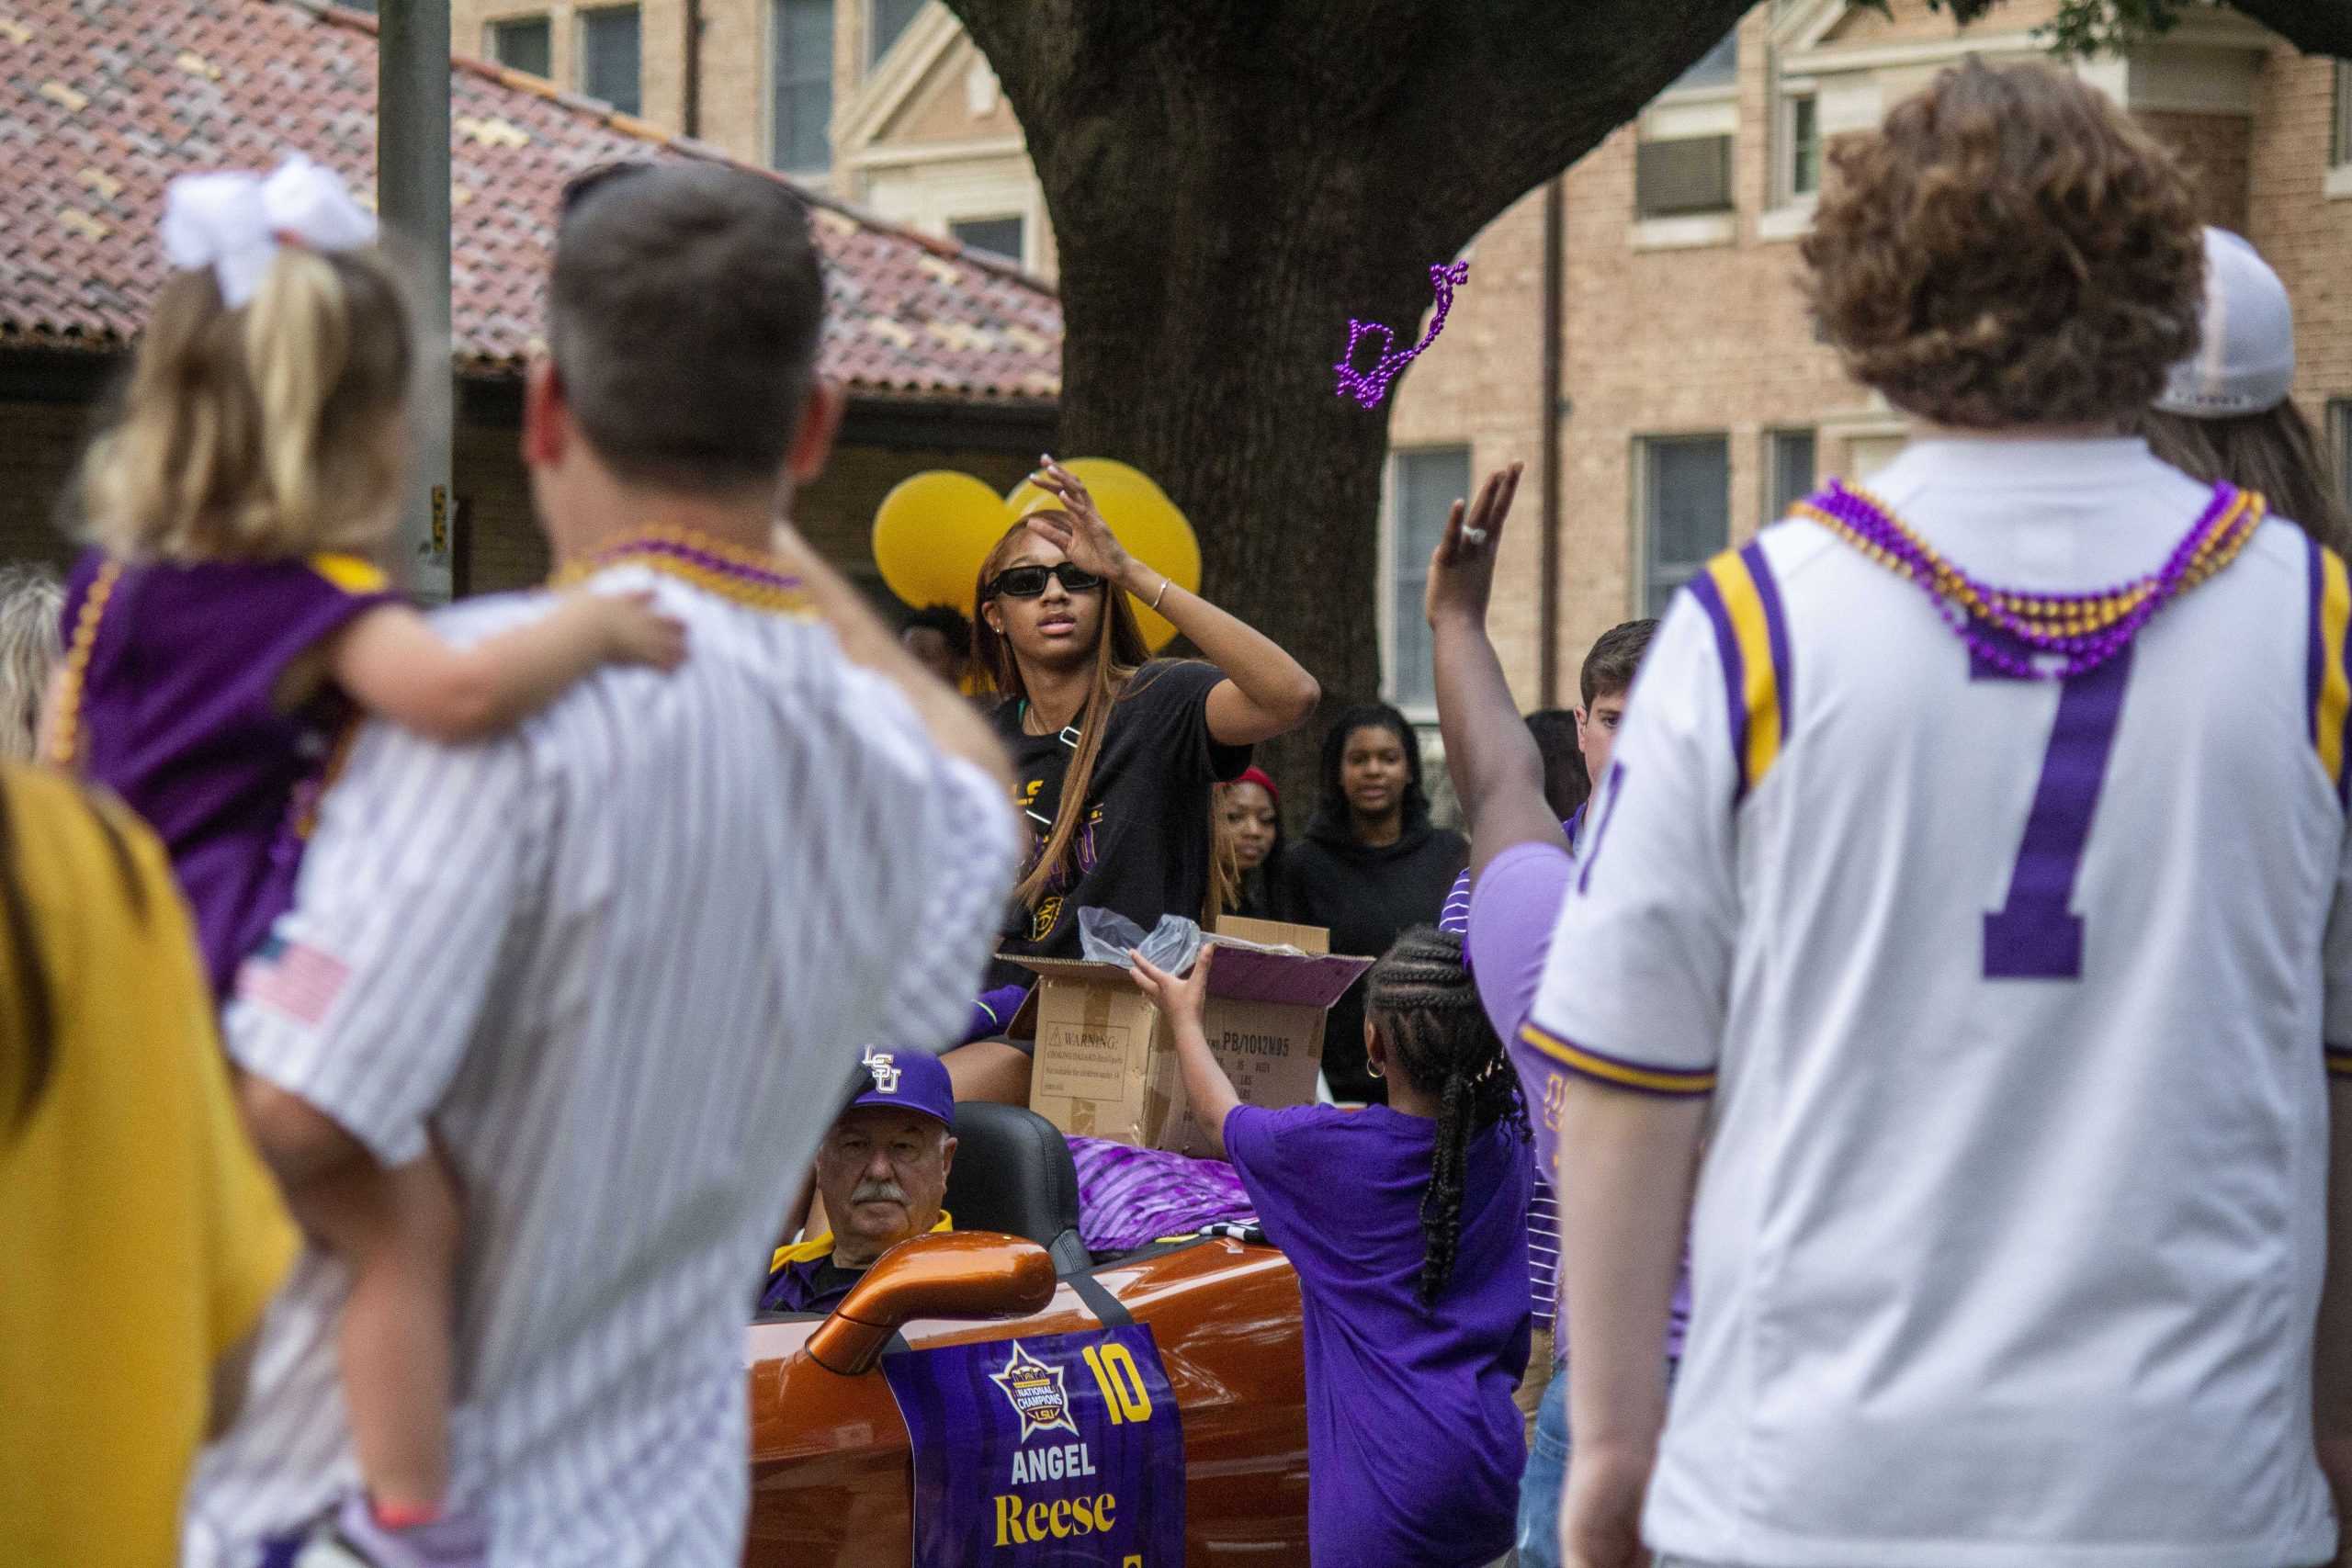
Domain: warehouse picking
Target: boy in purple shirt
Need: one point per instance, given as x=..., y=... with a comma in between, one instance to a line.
x=1522, y=860
x=1572, y=746
x=1414, y=1290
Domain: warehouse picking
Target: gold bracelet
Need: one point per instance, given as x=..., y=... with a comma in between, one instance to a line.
x=1164, y=581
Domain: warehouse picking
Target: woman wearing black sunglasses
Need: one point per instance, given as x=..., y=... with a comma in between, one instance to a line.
x=1114, y=753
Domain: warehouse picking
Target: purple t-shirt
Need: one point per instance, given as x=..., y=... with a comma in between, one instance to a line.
x=1413, y=1449
x=1509, y=919
x=179, y=713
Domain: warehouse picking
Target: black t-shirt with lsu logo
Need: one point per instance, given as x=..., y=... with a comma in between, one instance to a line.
x=1143, y=847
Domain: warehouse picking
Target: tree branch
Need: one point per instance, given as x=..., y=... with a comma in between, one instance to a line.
x=2315, y=26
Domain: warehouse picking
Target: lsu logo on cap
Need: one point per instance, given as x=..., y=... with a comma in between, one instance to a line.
x=886, y=1076
x=1038, y=1393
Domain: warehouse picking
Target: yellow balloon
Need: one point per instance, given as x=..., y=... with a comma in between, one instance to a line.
x=1150, y=524
x=930, y=535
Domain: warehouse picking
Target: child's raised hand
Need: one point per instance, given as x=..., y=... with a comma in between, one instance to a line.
x=1182, y=1000
x=637, y=633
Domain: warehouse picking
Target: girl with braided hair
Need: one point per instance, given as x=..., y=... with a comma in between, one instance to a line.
x=1413, y=1289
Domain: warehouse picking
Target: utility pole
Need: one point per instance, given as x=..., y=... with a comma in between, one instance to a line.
x=412, y=201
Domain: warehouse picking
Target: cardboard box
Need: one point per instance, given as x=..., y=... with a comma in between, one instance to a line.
x=1106, y=1065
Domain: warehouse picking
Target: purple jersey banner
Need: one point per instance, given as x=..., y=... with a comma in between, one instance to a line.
x=1060, y=1449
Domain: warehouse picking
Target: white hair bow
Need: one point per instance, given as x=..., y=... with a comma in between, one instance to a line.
x=234, y=223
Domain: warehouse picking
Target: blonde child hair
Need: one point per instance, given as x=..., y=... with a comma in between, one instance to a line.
x=267, y=431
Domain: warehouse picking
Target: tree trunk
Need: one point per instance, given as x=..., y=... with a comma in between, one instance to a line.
x=1219, y=385
x=2315, y=26
x=1229, y=182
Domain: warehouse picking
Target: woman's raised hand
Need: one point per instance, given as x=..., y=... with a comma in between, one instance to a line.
x=1462, y=569
x=1077, y=529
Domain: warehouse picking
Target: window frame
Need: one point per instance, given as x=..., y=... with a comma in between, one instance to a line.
x=1019, y=258
x=1392, y=612
x=2340, y=149
x=494, y=27
x=777, y=119
x=1645, y=531
x=1728, y=150
x=1685, y=111
x=1778, y=497
x=1787, y=146
x=588, y=17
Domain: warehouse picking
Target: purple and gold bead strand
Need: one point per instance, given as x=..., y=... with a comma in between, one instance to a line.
x=65, y=745
x=731, y=572
x=2007, y=629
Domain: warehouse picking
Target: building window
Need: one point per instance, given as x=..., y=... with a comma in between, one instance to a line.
x=1719, y=67
x=1789, y=469
x=1675, y=179
x=524, y=43
x=1685, y=512
x=887, y=21
x=998, y=236
x=1422, y=488
x=1800, y=172
x=2340, y=153
x=608, y=56
x=1682, y=165
x=803, y=110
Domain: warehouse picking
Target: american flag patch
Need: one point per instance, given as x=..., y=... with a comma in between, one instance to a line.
x=299, y=981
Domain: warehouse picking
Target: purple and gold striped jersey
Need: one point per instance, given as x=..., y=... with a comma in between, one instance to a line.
x=2012, y=998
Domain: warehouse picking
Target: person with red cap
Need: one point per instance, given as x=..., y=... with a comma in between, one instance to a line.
x=1249, y=844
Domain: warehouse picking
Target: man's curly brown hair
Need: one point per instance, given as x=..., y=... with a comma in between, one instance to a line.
x=2007, y=249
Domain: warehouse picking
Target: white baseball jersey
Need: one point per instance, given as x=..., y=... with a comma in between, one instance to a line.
x=620, y=961
x=2012, y=998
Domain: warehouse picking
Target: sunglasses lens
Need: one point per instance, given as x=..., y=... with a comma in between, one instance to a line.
x=1028, y=582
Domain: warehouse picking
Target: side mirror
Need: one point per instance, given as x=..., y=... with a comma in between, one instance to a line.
x=977, y=1274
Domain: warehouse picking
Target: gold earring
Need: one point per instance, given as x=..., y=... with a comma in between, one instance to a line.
x=1371, y=1065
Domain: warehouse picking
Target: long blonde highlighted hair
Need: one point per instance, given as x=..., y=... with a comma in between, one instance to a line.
x=1119, y=652
x=271, y=430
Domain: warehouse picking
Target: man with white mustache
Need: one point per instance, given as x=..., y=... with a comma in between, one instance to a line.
x=882, y=1172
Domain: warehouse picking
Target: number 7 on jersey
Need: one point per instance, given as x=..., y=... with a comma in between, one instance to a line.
x=2033, y=935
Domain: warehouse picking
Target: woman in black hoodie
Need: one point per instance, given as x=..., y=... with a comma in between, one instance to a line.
x=1371, y=866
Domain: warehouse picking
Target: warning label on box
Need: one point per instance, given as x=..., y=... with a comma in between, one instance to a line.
x=1083, y=1060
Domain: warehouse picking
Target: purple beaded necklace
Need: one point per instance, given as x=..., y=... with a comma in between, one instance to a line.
x=742, y=575
x=2041, y=635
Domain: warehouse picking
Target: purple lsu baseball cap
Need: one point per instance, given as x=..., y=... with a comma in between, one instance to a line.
x=907, y=1080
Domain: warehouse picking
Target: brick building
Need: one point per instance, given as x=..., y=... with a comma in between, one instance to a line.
x=885, y=103
x=951, y=359
x=1685, y=396
x=1693, y=402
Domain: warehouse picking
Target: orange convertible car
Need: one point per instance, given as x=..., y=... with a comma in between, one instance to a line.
x=995, y=1395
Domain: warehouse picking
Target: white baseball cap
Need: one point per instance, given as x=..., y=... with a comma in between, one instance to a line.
x=2246, y=363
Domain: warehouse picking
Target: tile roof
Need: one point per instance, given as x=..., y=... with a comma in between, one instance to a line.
x=102, y=101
